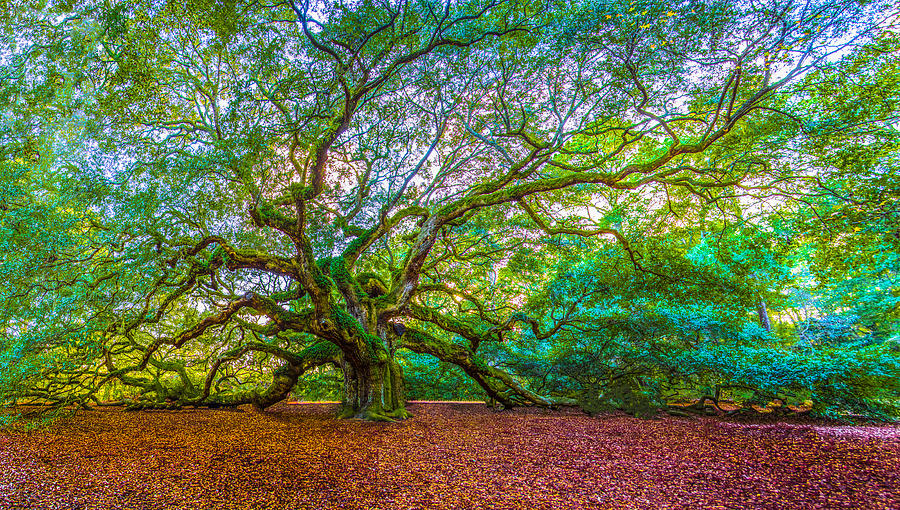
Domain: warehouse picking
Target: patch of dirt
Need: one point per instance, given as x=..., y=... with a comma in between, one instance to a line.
x=457, y=456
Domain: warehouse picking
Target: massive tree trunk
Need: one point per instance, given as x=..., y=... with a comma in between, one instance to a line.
x=373, y=379
x=374, y=391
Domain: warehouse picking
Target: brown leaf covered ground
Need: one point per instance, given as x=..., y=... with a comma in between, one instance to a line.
x=447, y=456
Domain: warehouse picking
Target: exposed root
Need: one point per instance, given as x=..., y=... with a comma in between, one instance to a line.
x=369, y=414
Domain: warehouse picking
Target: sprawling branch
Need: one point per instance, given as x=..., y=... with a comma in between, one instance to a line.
x=498, y=384
x=281, y=318
x=283, y=379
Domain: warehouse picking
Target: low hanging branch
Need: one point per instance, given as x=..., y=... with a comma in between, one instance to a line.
x=283, y=379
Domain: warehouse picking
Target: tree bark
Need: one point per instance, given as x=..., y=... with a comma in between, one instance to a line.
x=373, y=379
x=374, y=390
x=763, y=315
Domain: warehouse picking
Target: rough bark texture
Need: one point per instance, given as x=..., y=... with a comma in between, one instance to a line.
x=764, y=315
x=283, y=381
x=374, y=388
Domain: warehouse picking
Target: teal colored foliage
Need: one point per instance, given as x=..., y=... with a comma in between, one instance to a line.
x=864, y=381
x=638, y=342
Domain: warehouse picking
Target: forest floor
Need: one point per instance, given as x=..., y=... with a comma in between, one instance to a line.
x=449, y=456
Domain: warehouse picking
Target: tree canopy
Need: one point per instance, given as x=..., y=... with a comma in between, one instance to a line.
x=604, y=204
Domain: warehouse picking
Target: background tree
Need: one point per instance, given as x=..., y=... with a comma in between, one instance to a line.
x=44, y=216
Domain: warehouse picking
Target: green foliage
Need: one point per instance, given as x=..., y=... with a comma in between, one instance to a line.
x=863, y=381
x=636, y=341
